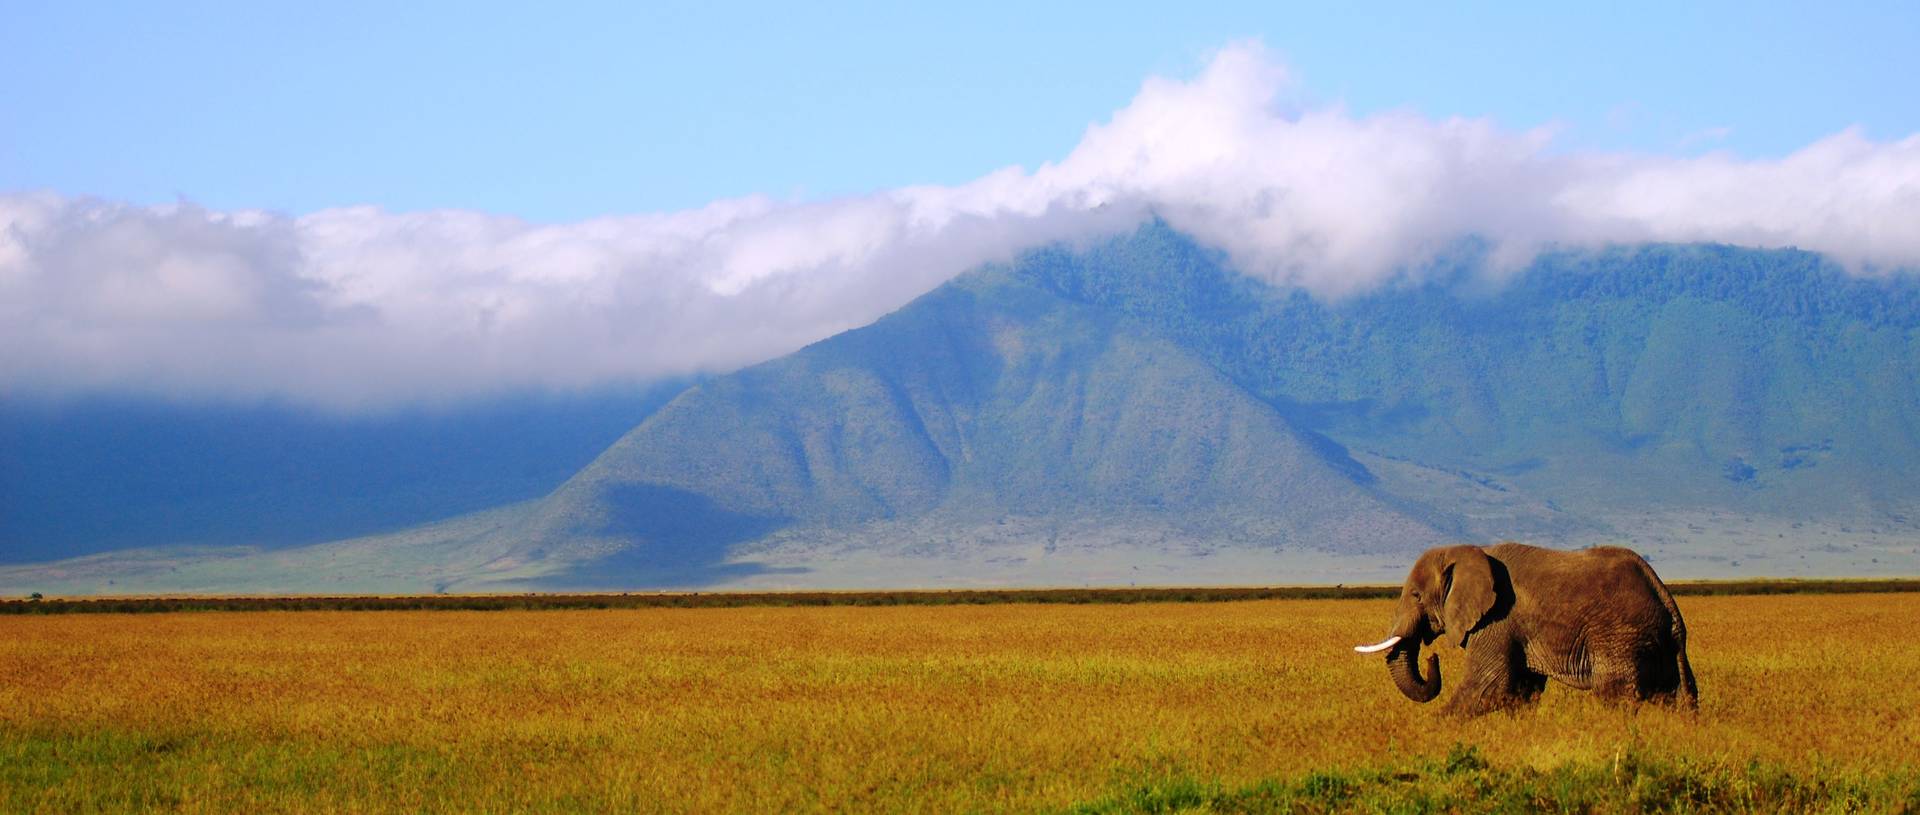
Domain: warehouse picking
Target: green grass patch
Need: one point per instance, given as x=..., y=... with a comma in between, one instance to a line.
x=1463, y=781
x=113, y=770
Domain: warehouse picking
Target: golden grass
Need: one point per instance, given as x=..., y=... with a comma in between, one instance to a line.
x=998, y=707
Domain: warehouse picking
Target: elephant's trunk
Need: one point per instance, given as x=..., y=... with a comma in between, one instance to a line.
x=1402, y=645
x=1402, y=664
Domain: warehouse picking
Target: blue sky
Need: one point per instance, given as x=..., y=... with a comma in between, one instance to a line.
x=558, y=115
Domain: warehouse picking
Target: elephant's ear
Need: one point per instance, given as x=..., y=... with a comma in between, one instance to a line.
x=1470, y=593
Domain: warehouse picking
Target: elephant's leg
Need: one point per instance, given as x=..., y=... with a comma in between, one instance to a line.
x=1662, y=678
x=1618, y=685
x=1528, y=685
x=1639, y=675
x=1497, y=678
x=1653, y=687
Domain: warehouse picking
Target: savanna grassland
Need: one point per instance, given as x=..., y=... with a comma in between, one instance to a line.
x=1808, y=703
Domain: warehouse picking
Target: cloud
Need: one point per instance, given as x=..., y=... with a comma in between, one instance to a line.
x=356, y=308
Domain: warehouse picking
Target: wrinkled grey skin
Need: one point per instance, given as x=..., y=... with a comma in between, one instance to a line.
x=1597, y=619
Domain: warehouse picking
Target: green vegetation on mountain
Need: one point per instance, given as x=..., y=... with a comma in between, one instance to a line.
x=1680, y=376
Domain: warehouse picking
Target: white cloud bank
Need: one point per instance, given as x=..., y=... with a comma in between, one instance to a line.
x=358, y=307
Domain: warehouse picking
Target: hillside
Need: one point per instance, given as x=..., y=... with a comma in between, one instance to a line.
x=987, y=404
x=1139, y=412
x=89, y=475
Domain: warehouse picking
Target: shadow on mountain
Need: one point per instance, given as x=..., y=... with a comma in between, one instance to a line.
x=100, y=473
x=1337, y=456
x=675, y=539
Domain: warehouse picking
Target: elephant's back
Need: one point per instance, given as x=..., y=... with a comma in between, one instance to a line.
x=1593, y=560
x=1609, y=581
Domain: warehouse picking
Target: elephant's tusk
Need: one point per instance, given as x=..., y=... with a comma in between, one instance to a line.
x=1377, y=647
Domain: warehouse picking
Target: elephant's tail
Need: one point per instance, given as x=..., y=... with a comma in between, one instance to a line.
x=1687, y=694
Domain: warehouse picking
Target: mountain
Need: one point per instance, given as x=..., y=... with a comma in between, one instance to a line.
x=988, y=403
x=1137, y=411
x=91, y=475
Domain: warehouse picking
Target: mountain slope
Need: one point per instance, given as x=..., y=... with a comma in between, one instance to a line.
x=987, y=401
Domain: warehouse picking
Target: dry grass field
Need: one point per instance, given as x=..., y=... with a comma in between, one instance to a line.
x=1808, y=702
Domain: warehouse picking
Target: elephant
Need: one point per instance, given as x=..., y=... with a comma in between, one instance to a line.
x=1596, y=619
